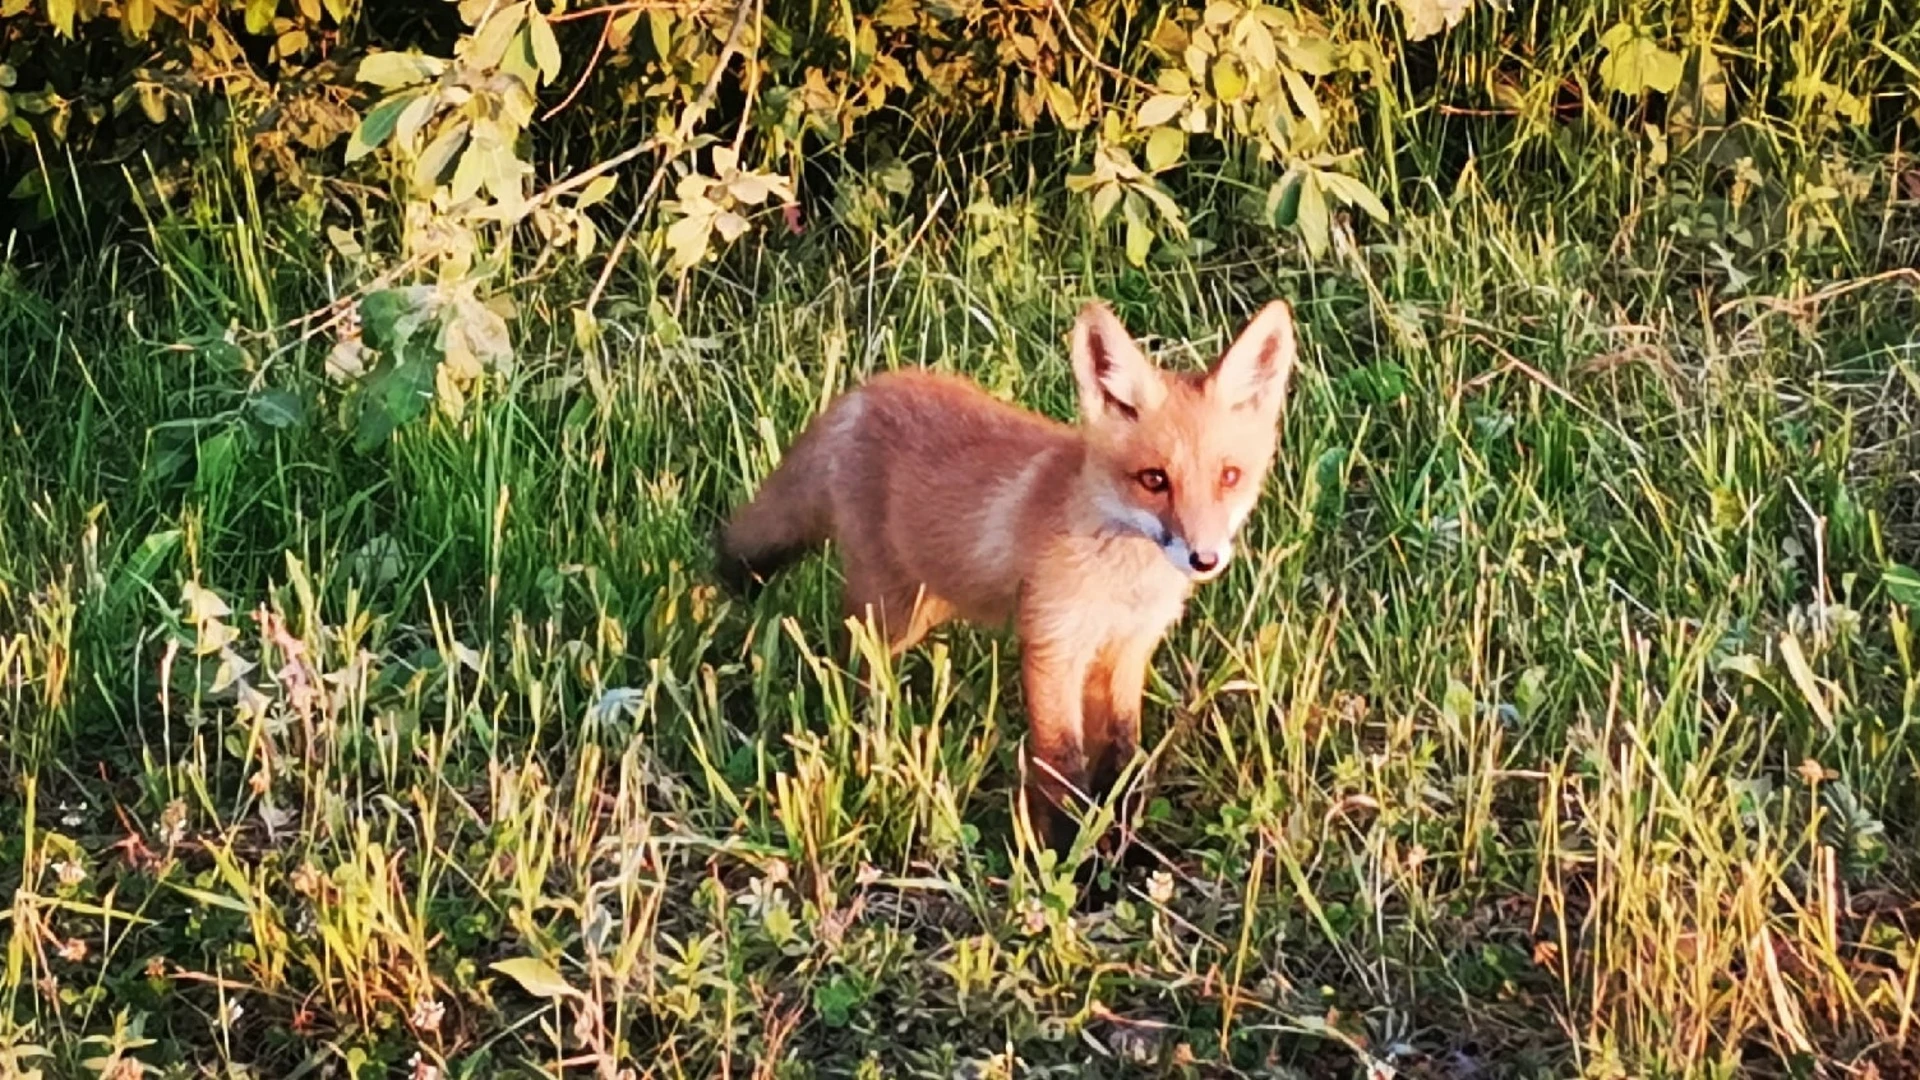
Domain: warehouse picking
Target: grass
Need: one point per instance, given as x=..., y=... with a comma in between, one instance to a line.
x=1561, y=720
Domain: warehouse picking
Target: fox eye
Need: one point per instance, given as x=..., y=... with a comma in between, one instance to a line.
x=1229, y=476
x=1154, y=480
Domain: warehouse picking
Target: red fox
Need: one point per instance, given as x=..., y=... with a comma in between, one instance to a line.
x=944, y=501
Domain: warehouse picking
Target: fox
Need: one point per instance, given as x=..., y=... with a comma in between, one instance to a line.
x=943, y=502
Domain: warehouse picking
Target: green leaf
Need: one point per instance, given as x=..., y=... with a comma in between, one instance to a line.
x=388, y=317
x=277, y=408
x=836, y=999
x=1531, y=692
x=143, y=565
x=388, y=70
x=60, y=13
x=1283, y=201
x=546, y=48
x=1159, y=109
x=377, y=126
x=1902, y=584
x=397, y=392
x=1164, y=148
x=536, y=977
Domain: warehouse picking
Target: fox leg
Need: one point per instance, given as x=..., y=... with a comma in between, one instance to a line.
x=1053, y=675
x=902, y=612
x=1115, y=685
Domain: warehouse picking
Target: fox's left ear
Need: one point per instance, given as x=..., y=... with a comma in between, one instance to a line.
x=1255, y=371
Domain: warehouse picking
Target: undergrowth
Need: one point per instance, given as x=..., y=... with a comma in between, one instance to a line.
x=1560, y=720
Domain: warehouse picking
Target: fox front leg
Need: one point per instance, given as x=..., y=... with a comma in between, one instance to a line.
x=1115, y=686
x=1053, y=676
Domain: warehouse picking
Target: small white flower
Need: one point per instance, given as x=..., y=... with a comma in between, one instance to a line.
x=1160, y=887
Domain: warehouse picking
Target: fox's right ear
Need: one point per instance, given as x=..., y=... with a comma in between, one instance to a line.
x=1116, y=379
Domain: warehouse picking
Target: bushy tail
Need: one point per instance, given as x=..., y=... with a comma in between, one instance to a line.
x=789, y=516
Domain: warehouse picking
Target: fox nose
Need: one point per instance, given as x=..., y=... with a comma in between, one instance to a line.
x=1204, y=562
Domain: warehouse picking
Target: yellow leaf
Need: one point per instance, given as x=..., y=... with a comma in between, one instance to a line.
x=1159, y=109
x=260, y=15
x=433, y=161
x=202, y=604
x=390, y=69
x=750, y=189
x=586, y=328
x=1065, y=108
x=1164, y=148
x=137, y=17
x=1104, y=200
x=546, y=48
x=687, y=240
x=597, y=190
x=488, y=46
x=729, y=225
x=1426, y=18
x=1220, y=13
x=536, y=977
x=1314, y=224
x=1805, y=680
x=1229, y=81
x=1635, y=63
x=1139, y=236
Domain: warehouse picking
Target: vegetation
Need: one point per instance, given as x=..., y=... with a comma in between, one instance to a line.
x=374, y=376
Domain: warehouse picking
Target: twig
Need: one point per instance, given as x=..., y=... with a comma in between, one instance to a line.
x=685, y=129
x=621, y=9
x=1775, y=305
x=606, y=31
x=1514, y=363
x=1073, y=38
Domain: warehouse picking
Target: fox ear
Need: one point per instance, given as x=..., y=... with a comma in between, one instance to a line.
x=1255, y=371
x=1116, y=379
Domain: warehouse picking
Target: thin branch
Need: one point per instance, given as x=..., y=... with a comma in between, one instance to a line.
x=680, y=135
x=606, y=31
x=1073, y=38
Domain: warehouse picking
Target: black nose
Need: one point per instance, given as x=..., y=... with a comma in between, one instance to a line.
x=1203, y=561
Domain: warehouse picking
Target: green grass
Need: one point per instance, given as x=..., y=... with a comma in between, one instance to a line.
x=1560, y=720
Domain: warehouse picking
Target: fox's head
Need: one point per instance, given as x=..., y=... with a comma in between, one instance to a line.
x=1176, y=457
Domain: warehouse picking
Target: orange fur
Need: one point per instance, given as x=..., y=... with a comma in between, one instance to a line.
x=944, y=502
